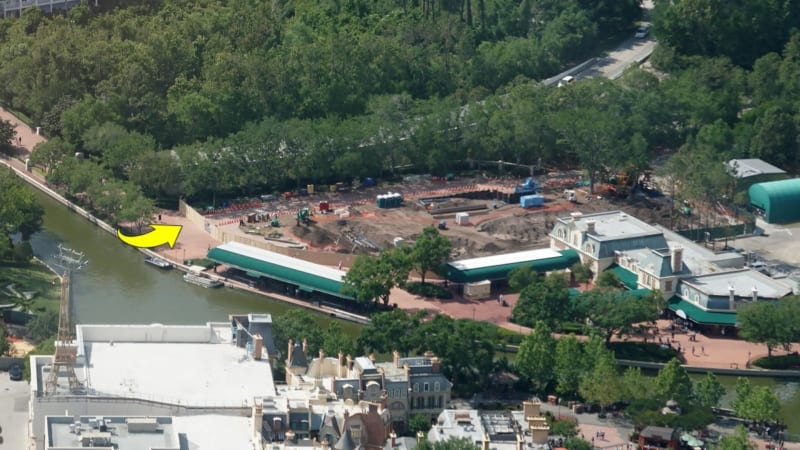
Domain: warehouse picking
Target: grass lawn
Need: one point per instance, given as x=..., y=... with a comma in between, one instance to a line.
x=33, y=277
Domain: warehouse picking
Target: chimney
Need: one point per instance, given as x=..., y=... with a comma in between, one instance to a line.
x=340, y=369
x=731, y=297
x=520, y=441
x=289, y=354
x=590, y=226
x=755, y=294
x=321, y=354
x=677, y=259
x=289, y=436
x=420, y=437
x=349, y=362
x=393, y=437
x=435, y=365
x=485, y=442
x=258, y=346
x=258, y=415
x=576, y=216
x=429, y=354
x=305, y=347
x=372, y=356
x=395, y=357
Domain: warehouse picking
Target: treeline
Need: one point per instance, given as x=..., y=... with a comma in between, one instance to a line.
x=228, y=98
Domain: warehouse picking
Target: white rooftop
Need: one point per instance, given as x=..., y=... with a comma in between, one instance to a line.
x=743, y=283
x=190, y=365
x=508, y=258
x=215, y=432
x=283, y=260
x=611, y=225
x=202, y=432
x=744, y=168
x=458, y=423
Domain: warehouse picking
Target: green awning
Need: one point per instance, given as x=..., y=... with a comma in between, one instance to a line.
x=626, y=277
x=305, y=289
x=701, y=316
x=639, y=293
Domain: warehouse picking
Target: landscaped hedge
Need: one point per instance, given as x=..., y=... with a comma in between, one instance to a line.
x=640, y=351
x=428, y=290
x=782, y=362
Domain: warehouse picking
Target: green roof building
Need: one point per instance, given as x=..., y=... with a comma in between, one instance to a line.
x=497, y=267
x=306, y=276
x=777, y=200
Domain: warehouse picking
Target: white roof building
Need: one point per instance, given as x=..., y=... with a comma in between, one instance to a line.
x=155, y=370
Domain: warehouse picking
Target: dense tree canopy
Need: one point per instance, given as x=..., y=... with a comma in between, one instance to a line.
x=19, y=211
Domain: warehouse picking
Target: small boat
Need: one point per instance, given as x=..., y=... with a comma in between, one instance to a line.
x=202, y=280
x=158, y=262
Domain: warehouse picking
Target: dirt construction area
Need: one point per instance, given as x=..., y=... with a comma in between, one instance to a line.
x=496, y=222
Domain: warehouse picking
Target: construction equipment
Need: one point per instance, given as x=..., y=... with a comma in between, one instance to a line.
x=304, y=217
x=527, y=187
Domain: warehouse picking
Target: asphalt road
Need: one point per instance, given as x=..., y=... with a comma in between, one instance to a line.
x=14, y=412
x=628, y=53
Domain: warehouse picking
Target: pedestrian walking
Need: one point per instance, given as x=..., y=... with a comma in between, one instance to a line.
x=693, y=350
x=702, y=350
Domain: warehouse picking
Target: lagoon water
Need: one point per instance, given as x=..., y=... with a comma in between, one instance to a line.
x=117, y=287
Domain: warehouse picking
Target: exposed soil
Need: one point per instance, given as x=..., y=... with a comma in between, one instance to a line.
x=498, y=227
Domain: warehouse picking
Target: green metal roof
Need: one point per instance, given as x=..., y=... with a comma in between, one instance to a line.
x=305, y=275
x=778, y=199
x=564, y=260
x=626, y=277
x=699, y=315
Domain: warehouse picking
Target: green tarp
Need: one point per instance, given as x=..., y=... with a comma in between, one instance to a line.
x=699, y=315
x=626, y=277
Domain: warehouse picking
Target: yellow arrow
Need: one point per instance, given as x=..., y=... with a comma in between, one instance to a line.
x=161, y=234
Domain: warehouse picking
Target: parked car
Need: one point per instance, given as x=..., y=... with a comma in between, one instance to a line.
x=642, y=32
x=15, y=372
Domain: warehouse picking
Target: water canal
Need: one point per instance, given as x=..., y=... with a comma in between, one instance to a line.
x=117, y=287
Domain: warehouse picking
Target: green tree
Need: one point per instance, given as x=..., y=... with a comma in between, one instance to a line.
x=581, y=272
x=390, y=331
x=49, y=154
x=566, y=428
x=335, y=340
x=673, y=383
x=568, y=365
x=637, y=386
x=7, y=135
x=738, y=440
x=545, y=300
x=521, y=277
x=453, y=443
x=535, y=359
x=19, y=210
x=757, y=403
x=614, y=312
x=767, y=323
x=708, y=391
x=430, y=251
x=297, y=324
x=419, y=422
x=372, y=279
x=602, y=384
x=577, y=444
x=607, y=279
x=4, y=345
